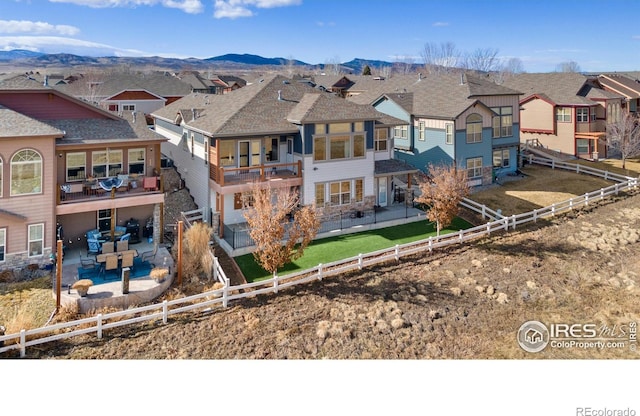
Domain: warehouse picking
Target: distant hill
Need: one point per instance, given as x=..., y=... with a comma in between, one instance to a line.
x=24, y=58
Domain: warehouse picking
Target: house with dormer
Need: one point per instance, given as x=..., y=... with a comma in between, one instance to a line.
x=281, y=133
x=56, y=155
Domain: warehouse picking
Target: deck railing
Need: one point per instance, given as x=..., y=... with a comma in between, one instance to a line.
x=234, y=176
x=86, y=191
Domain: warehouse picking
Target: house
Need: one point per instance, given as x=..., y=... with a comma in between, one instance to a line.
x=280, y=133
x=623, y=85
x=565, y=112
x=211, y=83
x=58, y=154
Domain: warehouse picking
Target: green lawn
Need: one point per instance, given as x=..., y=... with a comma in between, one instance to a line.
x=330, y=249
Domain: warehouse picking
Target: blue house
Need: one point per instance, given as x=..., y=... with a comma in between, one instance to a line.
x=456, y=118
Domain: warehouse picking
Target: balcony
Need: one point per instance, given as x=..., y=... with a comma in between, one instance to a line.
x=86, y=191
x=291, y=173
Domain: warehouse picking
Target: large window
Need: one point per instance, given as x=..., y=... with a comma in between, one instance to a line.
x=227, y=153
x=136, y=161
x=104, y=220
x=337, y=145
x=474, y=167
x=563, y=114
x=381, y=137
x=582, y=115
x=26, y=173
x=106, y=163
x=503, y=122
x=501, y=158
x=3, y=243
x=76, y=166
x=340, y=193
x=582, y=146
x=474, y=128
x=448, y=133
x=421, y=131
x=36, y=239
x=271, y=149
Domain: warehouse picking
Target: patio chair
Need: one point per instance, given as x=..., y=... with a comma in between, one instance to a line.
x=127, y=261
x=88, y=267
x=93, y=246
x=150, y=183
x=107, y=247
x=149, y=255
x=122, y=245
x=125, y=237
x=110, y=264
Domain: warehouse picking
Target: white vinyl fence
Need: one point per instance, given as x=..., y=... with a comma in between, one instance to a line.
x=221, y=297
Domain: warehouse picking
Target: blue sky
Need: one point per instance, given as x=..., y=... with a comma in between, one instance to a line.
x=598, y=35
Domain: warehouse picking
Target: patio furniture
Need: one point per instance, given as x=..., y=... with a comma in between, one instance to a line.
x=150, y=183
x=127, y=260
x=125, y=237
x=93, y=246
x=88, y=266
x=149, y=255
x=107, y=247
x=110, y=265
x=122, y=245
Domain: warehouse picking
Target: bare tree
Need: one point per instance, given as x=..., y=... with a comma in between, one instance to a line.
x=333, y=66
x=439, y=58
x=384, y=71
x=569, y=66
x=268, y=216
x=511, y=67
x=623, y=136
x=442, y=191
x=482, y=59
x=403, y=64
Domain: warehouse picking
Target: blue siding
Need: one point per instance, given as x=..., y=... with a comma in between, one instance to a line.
x=394, y=110
x=169, y=126
x=431, y=150
x=369, y=127
x=466, y=150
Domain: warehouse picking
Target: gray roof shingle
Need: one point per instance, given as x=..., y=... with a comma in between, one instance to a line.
x=14, y=124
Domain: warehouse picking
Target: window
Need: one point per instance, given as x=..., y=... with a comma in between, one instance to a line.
x=104, y=220
x=320, y=194
x=3, y=243
x=106, y=163
x=474, y=167
x=243, y=200
x=501, y=158
x=582, y=146
x=271, y=149
x=563, y=114
x=340, y=193
x=359, y=190
x=227, y=153
x=193, y=146
x=206, y=152
x=26, y=173
x=401, y=132
x=128, y=107
x=36, y=239
x=582, y=114
x=474, y=128
x=337, y=145
x=381, y=136
x=76, y=166
x=448, y=133
x=136, y=161
x=421, y=131
x=593, y=114
x=502, y=122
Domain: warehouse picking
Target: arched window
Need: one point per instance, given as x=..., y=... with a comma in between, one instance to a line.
x=26, y=173
x=474, y=128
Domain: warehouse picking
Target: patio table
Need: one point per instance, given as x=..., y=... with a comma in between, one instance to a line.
x=101, y=258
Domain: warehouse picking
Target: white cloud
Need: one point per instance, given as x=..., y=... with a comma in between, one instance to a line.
x=57, y=44
x=233, y=9
x=187, y=6
x=440, y=24
x=36, y=28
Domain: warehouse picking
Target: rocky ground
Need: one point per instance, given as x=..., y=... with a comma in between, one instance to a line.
x=466, y=302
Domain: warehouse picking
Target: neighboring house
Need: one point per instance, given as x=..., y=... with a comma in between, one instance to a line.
x=565, y=112
x=451, y=118
x=127, y=92
x=56, y=153
x=211, y=84
x=623, y=85
x=285, y=134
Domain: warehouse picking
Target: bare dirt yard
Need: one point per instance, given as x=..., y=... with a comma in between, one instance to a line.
x=463, y=303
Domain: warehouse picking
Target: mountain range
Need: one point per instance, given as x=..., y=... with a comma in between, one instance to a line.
x=29, y=59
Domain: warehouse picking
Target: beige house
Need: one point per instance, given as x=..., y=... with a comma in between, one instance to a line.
x=565, y=112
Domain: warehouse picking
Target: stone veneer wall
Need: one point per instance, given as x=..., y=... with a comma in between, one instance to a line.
x=367, y=204
x=21, y=260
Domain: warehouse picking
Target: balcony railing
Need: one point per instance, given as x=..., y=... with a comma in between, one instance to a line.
x=91, y=190
x=236, y=176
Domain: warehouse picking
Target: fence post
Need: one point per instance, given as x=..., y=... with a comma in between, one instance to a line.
x=553, y=164
x=360, y=261
x=430, y=243
x=531, y=159
x=571, y=204
x=586, y=200
x=99, y=325
x=601, y=193
x=460, y=236
x=553, y=209
x=577, y=168
x=275, y=283
x=397, y=252
x=320, y=271
x=513, y=217
x=616, y=188
x=215, y=268
x=606, y=175
x=506, y=223
x=23, y=343
x=165, y=311
x=484, y=211
x=488, y=228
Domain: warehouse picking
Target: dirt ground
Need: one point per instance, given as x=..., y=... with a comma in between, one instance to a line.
x=467, y=302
